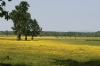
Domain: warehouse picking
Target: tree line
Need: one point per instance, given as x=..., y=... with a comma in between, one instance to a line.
x=23, y=24
x=70, y=34
x=59, y=34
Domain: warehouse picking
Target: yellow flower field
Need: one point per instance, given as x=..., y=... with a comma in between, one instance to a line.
x=46, y=46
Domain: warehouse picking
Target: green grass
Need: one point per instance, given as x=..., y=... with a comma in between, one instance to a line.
x=50, y=51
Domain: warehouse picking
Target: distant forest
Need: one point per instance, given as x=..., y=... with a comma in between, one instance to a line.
x=56, y=34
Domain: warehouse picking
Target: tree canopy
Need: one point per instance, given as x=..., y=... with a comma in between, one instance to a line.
x=23, y=24
x=18, y=15
x=3, y=12
x=35, y=28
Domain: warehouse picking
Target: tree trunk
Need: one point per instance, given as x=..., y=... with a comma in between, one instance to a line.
x=19, y=32
x=18, y=36
x=25, y=37
x=32, y=37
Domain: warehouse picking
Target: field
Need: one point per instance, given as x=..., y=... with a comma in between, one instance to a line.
x=50, y=51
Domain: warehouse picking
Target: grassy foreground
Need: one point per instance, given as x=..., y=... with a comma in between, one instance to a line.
x=50, y=51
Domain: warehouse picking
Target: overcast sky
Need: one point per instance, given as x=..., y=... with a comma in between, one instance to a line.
x=60, y=15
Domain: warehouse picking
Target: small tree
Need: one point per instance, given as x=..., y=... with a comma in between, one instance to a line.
x=6, y=32
x=35, y=29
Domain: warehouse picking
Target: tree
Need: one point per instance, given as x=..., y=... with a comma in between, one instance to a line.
x=26, y=25
x=6, y=32
x=17, y=17
x=34, y=28
x=3, y=12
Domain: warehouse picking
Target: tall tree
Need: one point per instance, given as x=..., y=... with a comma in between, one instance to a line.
x=3, y=12
x=35, y=29
x=17, y=17
x=26, y=25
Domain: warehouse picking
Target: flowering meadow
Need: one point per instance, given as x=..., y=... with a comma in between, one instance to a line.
x=49, y=51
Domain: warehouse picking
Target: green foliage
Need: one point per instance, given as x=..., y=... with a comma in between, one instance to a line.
x=30, y=27
x=26, y=24
x=23, y=24
x=18, y=16
x=35, y=29
x=3, y=12
x=6, y=33
x=71, y=34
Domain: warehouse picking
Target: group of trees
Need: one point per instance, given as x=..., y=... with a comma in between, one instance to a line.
x=6, y=33
x=23, y=23
x=70, y=34
x=59, y=34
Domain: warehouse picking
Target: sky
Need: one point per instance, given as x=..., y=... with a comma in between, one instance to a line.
x=60, y=15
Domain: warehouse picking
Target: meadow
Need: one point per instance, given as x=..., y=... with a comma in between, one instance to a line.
x=50, y=51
